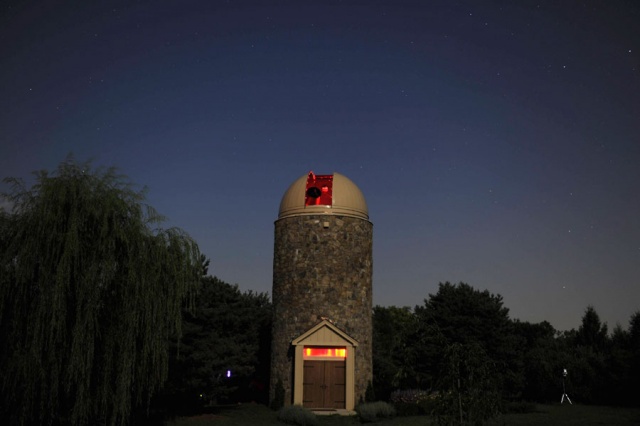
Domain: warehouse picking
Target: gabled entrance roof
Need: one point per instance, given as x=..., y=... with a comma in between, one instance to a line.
x=324, y=333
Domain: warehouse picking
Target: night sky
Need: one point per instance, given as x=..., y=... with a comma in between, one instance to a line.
x=496, y=143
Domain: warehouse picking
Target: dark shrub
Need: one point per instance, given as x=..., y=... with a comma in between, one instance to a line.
x=297, y=415
x=412, y=402
x=370, y=412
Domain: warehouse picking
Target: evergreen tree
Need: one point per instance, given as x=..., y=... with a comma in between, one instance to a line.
x=90, y=291
x=620, y=387
x=634, y=331
x=588, y=371
x=592, y=333
x=634, y=350
x=224, y=351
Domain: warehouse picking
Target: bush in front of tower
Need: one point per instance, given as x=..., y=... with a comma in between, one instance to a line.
x=298, y=415
x=370, y=412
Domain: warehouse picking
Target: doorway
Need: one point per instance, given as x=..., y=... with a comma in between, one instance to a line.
x=324, y=385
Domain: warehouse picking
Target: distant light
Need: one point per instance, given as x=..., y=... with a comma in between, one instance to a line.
x=228, y=373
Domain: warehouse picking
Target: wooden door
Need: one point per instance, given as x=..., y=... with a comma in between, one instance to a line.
x=324, y=384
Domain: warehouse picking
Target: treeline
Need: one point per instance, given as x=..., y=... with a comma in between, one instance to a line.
x=415, y=348
x=460, y=341
x=106, y=316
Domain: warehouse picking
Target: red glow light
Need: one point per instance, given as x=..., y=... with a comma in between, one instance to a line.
x=319, y=190
x=325, y=352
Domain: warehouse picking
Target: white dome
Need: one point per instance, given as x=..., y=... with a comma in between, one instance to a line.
x=346, y=199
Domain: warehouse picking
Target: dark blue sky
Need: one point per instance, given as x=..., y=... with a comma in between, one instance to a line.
x=496, y=143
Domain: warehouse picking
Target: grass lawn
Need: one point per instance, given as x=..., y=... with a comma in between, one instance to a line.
x=547, y=415
x=573, y=415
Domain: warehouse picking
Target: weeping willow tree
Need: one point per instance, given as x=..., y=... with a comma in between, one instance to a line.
x=91, y=291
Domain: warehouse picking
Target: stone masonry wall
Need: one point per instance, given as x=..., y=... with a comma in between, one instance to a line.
x=322, y=267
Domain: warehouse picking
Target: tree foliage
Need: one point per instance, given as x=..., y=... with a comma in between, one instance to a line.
x=468, y=390
x=590, y=366
x=463, y=314
x=228, y=331
x=429, y=348
x=592, y=333
x=394, y=360
x=90, y=291
x=543, y=356
x=460, y=314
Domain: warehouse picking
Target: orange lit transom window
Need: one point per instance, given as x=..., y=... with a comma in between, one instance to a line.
x=325, y=352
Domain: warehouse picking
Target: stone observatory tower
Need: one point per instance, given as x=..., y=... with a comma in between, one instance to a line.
x=322, y=295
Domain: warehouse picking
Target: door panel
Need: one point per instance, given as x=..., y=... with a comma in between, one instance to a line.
x=312, y=381
x=336, y=384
